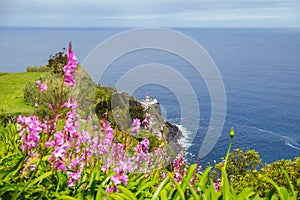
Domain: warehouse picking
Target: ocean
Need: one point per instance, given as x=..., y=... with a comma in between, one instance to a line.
x=260, y=69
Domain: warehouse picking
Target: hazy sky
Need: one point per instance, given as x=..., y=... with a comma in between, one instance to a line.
x=158, y=13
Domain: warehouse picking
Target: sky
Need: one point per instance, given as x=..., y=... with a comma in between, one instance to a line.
x=150, y=13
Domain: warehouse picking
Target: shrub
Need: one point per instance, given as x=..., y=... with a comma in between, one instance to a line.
x=57, y=62
x=37, y=69
x=52, y=95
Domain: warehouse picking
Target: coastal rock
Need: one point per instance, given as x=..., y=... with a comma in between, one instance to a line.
x=173, y=137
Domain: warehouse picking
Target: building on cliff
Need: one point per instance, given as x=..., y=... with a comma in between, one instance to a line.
x=148, y=102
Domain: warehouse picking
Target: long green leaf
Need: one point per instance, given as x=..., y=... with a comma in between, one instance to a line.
x=8, y=156
x=66, y=197
x=107, y=179
x=225, y=185
x=149, y=184
x=163, y=195
x=120, y=196
x=127, y=192
x=290, y=182
x=161, y=186
x=204, y=178
x=188, y=177
x=6, y=188
x=280, y=192
x=92, y=182
x=100, y=192
x=192, y=189
x=39, y=179
x=178, y=187
x=245, y=194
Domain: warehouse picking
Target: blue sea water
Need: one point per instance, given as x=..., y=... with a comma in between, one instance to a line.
x=260, y=69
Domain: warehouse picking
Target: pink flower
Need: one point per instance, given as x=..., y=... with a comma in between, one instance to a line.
x=108, y=129
x=29, y=132
x=38, y=82
x=43, y=87
x=70, y=68
x=75, y=177
x=147, y=115
x=59, y=165
x=95, y=128
x=136, y=125
x=50, y=107
x=180, y=165
x=143, y=146
x=217, y=185
x=89, y=118
x=109, y=189
x=119, y=178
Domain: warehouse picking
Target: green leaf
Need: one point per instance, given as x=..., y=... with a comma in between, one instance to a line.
x=225, y=185
x=149, y=184
x=282, y=192
x=178, y=187
x=129, y=194
x=163, y=195
x=119, y=196
x=4, y=173
x=188, y=177
x=100, y=193
x=92, y=182
x=107, y=179
x=204, y=178
x=66, y=197
x=39, y=179
x=245, y=194
x=192, y=189
x=161, y=186
x=271, y=193
x=290, y=182
x=6, y=188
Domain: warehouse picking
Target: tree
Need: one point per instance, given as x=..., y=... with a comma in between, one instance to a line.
x=57, y=62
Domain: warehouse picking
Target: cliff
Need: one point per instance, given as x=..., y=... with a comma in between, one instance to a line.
x=173, y=136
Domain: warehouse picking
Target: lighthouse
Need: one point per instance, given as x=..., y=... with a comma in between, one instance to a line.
x=147, y=97
x=147, y=102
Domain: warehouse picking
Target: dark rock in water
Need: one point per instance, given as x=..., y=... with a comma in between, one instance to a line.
x=173, y=137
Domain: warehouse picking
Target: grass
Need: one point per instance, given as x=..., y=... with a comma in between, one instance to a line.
x=11, y=87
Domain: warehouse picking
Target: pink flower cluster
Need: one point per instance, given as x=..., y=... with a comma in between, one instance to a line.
x=70, y=68
x=180, y=167
x=71, y=149
x=136, y=125
x=114, y=157
x=143, y=147
x=145, y=122
x=29, y=132
x=43, y=87
x=217, y=185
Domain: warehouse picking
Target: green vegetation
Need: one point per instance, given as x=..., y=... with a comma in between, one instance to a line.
x=247, y=178
x=53, y=154
x=11, y=87
x=37, y=69
x=44, y=183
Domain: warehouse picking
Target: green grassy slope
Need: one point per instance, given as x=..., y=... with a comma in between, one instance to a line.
x=11, y=91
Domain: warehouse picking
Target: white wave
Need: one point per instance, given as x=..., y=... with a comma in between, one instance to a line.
x=185, y=141
x=291, y=143
x=287, y=140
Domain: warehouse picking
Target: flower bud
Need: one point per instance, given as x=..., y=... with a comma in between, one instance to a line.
x=232, y=132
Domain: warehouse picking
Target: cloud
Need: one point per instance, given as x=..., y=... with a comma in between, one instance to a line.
x=150, y=13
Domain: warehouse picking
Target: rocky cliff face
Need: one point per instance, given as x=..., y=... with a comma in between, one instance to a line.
x=173, y=137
